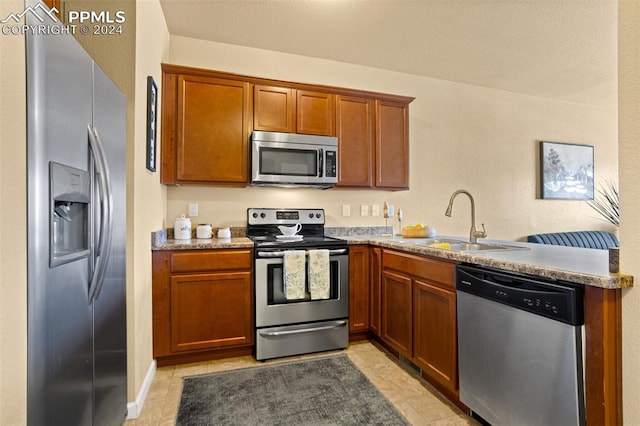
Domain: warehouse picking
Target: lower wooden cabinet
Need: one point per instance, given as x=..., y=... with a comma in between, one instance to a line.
x=434, y=332
x=210, y=311
x=202, y=304
x=358, y=288
x=396, y=312
x=418, y=314
x=375, y=290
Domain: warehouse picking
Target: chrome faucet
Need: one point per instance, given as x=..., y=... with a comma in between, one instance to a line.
x=474, y=234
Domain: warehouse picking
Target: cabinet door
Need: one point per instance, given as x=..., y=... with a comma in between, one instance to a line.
x=212, y=130
x=358, y=288
x=211, y=311
x=354, y=128
x=274, y=109
x=434, y=340
x=375, y=276
x=392, y=145
x=396, y=312
x=315, y=113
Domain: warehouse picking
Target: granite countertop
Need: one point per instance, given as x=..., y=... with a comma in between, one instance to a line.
x=578, y=265
x=204, y=244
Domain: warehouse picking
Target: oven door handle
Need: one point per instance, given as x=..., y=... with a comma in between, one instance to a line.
x=337, y=324
x=281, y=253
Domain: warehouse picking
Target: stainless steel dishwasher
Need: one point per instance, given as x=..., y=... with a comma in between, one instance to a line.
x=520, y=348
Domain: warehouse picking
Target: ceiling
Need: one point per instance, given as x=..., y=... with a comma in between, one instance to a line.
x=561, y=49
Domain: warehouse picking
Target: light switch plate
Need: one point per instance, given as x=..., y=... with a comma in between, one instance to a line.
x=375, y=210
x=364, y=210
x=346, y=210
x=193, y=209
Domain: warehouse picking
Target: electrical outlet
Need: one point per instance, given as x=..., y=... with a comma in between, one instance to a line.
x=375, y=210
x=346, y=210
x=364, y=210
x=193, y=209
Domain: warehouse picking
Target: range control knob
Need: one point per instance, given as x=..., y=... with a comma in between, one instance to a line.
x=310, y=215
x=318, y=215
x=263, y=215
x=255, y=215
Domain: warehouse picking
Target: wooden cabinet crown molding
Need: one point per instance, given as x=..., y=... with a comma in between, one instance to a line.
x=183, y=70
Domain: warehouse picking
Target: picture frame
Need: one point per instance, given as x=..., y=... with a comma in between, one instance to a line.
x=566, y=171
x=152, y=123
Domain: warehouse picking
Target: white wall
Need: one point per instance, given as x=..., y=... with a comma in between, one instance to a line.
x=147, y=202
x=462, y=136
x=629, y=110
x=146, y=197
x=13, y=226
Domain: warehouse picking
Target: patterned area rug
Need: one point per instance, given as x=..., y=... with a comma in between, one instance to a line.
x=321, y=391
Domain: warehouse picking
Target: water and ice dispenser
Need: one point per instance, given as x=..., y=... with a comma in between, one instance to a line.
x=70, y=200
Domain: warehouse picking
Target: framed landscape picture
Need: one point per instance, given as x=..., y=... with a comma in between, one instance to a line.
x=566, y=171
x=152, y=124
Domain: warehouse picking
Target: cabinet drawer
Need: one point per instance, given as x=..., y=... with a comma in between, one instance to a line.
x=438, y=271
x=213, y=260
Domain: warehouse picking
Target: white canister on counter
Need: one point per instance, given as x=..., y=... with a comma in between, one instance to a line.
x=182, y=228
x=203, y=230
x=224, y=233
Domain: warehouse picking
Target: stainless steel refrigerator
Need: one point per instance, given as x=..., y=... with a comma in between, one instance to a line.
x=76, y=333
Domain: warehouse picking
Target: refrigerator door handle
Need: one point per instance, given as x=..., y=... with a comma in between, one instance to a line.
x=106, y=213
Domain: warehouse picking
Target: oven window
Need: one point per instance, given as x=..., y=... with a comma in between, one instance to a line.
x=291, y=162
x=275, y=285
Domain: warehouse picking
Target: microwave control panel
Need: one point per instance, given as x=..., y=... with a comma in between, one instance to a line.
x=332, y=164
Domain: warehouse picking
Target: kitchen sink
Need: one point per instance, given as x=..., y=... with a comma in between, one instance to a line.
x=457, y=245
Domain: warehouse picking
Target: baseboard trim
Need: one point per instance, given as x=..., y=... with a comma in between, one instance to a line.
x=134, y=409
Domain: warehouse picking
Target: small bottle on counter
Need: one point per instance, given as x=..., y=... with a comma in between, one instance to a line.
x=182, y=228
x=203, y=230
x=224, y=233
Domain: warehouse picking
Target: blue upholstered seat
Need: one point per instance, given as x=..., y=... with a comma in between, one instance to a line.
x=589, y=239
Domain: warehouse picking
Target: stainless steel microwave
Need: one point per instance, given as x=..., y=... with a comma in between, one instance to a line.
x=290, y=159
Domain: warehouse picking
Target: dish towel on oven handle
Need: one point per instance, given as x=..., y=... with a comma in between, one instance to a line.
x=294, y=274
x=319, y=277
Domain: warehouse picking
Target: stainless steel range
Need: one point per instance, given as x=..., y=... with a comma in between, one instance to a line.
x=301, y=284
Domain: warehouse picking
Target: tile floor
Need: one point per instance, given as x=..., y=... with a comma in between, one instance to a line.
x=415, y=399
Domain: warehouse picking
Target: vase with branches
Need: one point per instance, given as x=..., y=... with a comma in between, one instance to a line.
x=607, y=202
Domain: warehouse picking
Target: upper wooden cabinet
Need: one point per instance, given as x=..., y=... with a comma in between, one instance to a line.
x=282, y=109
x=392, y=145
x=206, y=130
x=373, y=143
x=354, y=128
x=208, y=117
x=274, y=109
x=315, y=113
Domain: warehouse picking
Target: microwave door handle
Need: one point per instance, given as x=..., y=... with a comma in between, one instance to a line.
x=321, y=161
